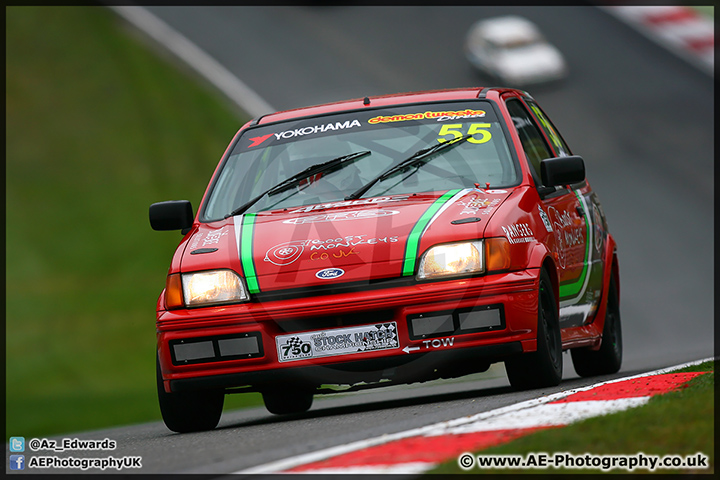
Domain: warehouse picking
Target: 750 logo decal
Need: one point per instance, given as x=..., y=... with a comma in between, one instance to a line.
x=294, y=349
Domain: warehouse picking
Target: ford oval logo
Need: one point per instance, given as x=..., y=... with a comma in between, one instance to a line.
x=328, y=273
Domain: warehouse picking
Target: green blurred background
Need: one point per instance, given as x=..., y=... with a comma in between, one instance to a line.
x=98, y=127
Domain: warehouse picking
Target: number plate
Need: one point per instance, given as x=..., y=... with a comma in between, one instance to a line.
x=341, y=341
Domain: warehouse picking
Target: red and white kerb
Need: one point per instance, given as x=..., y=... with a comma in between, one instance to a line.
x=418, y=450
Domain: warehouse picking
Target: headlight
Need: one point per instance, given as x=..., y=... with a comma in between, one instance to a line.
x=212, y=288
x=452, y=259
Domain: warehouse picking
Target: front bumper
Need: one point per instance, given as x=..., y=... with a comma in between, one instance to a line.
x=437, y=324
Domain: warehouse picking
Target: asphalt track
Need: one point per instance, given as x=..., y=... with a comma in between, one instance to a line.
x=640, y=116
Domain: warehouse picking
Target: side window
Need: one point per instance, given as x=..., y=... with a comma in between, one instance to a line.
x=531, y=138
x=558, y=143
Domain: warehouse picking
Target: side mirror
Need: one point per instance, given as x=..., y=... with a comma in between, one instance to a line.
x=559, y=171
x=171, y=215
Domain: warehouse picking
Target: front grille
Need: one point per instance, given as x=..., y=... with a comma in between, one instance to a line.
x=335, y=321
x=335, y=289
x=483, y=318
x=188, y=351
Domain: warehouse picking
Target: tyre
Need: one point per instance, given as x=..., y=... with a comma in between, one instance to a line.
x=283, y=402
x=185, y=412
x=608, y=358
x=542, y=368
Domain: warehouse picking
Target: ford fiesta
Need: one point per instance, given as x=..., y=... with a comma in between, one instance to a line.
x=385, y=240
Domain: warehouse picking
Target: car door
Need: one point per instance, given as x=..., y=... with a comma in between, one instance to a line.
x=567, y=212
x=595, y=223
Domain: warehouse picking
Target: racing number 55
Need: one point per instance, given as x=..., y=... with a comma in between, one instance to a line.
x=455, y=129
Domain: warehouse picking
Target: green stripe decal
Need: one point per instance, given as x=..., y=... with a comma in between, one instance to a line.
x=572, y=289
x=246, y=249
x=413, y=241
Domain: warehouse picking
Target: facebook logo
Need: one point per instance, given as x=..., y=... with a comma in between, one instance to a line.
x=17, y=444
x=17, y=462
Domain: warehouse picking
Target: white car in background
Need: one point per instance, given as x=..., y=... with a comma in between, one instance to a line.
x=512, y=49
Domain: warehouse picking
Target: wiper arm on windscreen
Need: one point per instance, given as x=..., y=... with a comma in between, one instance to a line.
x=416, y=158
x=288, y=183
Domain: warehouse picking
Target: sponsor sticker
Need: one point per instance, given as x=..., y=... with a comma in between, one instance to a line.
x=479, y=205
x=287, y=253
x=330, y=273
x=364, y=201
x=340, y=216
x=567, y=235
x=598, y=227
x=210, y=238
x=439, y=116
x=519, y=233
x=302, y=131
x=545, y=219
x=341, y=341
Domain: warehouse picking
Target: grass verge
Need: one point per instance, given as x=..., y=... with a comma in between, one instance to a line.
x=97, y=129
x=677, y=423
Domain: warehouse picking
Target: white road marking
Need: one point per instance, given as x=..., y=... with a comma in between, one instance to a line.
x=457, y=424
x=547, y=415
x=196, y=58
x=680, y=29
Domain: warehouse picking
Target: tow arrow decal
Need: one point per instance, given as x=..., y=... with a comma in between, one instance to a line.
x=409, y=349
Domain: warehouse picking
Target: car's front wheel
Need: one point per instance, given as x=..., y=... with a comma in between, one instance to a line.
x=185, y=412
x=542, y=368
x=286, y=401
x=608, y=358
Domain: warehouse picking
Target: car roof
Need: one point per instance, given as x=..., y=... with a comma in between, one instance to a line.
x=382, y=101
x=506, y=29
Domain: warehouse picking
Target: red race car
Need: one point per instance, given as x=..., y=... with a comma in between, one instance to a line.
x=385, y=240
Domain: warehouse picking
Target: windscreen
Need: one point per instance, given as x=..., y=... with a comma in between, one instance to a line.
x=344, y=153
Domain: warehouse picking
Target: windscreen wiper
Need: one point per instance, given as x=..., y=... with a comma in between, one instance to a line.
x=288, y=183
x=416, y=158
